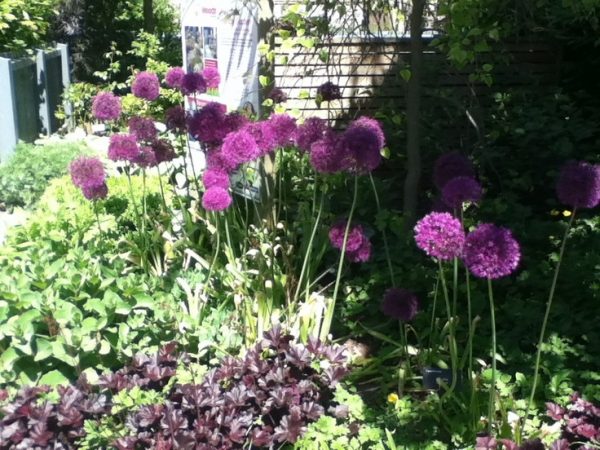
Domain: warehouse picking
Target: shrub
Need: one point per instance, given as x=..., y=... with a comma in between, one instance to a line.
x=25, y=176
x=24, y=23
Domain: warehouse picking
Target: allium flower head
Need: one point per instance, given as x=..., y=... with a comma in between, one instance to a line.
x=358, y=246
x=239, y=147
x=460, y=190
x=215, y=177
x=328, y=155
x=263, y=135
x=142, y=128
x=212, y=77
x=440, y=235
x=123, y=147
x=95, y=192
x=174, y=77
x=309, y=132
x=193, y=83
x=106, y=106
x=451, y=165
x=87, y=171
x=363, y=254
x=146, y=157
x=578, y=184
x=328, y=91
x=146, y=86
x=208, y=124
x=364, y=140
x=216, y=199
x=284, y=129
x=215, y=160
x=400, y=304
x=277, y=95
x=175, y=119
x=491, y=252
x=235, y=121
x=163, y=151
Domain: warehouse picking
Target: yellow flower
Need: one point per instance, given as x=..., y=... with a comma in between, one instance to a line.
x=566, y=213
x=392, y=398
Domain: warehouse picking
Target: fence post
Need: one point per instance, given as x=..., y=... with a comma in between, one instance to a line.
x=66, y=81
x=8, y=111
x=42, y=81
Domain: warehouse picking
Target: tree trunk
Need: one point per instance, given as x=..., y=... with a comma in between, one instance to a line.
x=413, y=115
x=148, y=16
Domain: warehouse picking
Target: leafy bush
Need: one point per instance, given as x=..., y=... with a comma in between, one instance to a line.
x=24, y=24
x=25, y=176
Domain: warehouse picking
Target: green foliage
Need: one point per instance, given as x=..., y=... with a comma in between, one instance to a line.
x=25, y=176
x=24, y=24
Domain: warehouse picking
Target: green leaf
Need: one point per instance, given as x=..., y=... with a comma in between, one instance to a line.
x=405, y=74
x=8, y=358
x=43, y=349
x=263, y=80
x=53, y=378
x=144, y=301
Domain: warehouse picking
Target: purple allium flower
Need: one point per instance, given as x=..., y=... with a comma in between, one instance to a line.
x=284, y=129
x=216, y=199
x=163, y=151
x=356, y=236
x=239, y=147
x=215, y=160
x=174, y=77
x=146, y=157
x=142, y=128
x=491, y=252
x=309, y=132
x=235, y=121
x=578, y=184
x=363, y=254
x=485, y=443
x=328, y=155
x=561, y=444
x=106, y=106
x=193, y=83
x=364, y=140
x=146, y=86
x=212, y=77
x=277, y=95
x=440, y=235
x=400, y=304
x=451, y=165
x=87, y=171
x=329, y=91
x=215, y=177
x=263, y=135
x=175, y=119
x=123, y=147
x=208, y=124
x=95, y=192
x=460, y=190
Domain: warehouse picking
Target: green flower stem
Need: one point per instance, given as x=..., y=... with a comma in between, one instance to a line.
x=538, y=355
x=139, y=221
x=383, y=233
x=492, y=408
x=451, y=332
x=162, y=190
x=215, y=256
x=331, y=306
x=454, y=285
x=95, y=206
x=433, y=310
x=471, y=330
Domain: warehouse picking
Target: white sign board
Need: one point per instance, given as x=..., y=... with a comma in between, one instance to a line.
x=223, y=34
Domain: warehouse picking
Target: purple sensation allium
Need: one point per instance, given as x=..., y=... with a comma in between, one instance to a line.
x=356, y=236
x=216, y=199
x=106, y=106
x=208, y=124
x=486, y=443
x=239, y=147
x=193, y=83
x=123, y=147
x=263, y=135
x=87, y=171
x=215, y=177
x=146, y=86
x=235, y=121
x=174, y=77
x=142, y=128
x=363, y=254
x=364, y=140
x=175, y=119
x=460, y=190
x=451, y=165
x=212, y=77
x=578, y=184
x=440, y=235
x=328, y=155
x=284, y=129
x=95, y=192
x=146, y=157
x=163, y=151
x=309, y=132
x=277, y=95
x=400, y=304
x=215, y=160
x=329, y=91
x=491, y=252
